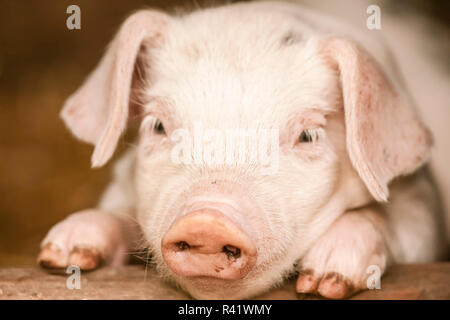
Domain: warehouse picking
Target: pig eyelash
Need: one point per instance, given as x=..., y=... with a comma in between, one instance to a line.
x=158, y=127
x=310, y=135
x=153, y=124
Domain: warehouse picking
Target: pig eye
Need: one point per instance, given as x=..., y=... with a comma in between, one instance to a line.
x=306, y=136
x=159, y=128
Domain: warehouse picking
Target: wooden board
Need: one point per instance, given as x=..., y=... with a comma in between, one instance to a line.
x=429, y=281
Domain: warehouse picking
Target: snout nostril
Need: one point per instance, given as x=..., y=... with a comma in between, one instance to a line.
x=182, y=245
x=231, y=251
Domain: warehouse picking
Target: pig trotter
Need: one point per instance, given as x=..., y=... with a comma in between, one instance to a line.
x=336, y=266
x=86, y=239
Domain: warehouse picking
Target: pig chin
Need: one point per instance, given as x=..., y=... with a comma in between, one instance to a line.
x=212, y=288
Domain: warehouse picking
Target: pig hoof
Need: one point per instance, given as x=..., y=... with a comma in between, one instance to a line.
x=51, y=257
x=85, y=239
x=307, y=282
x=85, y=258
x=335, y=286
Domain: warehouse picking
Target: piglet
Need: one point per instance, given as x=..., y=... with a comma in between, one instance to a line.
x=326, y=177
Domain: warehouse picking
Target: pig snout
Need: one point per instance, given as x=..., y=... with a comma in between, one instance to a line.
x=205, y=243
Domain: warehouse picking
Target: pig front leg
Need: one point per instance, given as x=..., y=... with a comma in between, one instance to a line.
x=409, y=229
x=104, y=235
x=336, y=266
x=87, y=239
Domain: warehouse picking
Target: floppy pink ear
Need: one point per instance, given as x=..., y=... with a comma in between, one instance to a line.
x=98, y=111
x=385, y=137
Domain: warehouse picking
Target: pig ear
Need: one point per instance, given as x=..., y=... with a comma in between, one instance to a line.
x=98, y=111
x=385, y=137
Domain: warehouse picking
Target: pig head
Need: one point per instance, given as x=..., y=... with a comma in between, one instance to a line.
x=230, y=229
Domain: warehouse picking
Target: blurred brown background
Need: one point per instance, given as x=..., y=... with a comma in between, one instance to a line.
x=45, y=173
